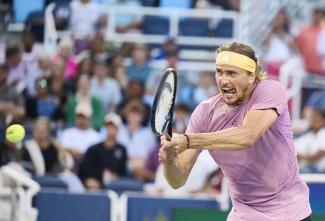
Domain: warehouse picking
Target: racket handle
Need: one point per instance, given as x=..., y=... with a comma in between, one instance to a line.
x=170, y=130
x=169, y=138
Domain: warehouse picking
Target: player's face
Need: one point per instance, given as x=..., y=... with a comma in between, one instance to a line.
x=236, y=85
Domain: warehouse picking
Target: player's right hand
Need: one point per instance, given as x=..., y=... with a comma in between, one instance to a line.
x=167, y=153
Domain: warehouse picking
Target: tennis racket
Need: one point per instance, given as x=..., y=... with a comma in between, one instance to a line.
x=163, y=104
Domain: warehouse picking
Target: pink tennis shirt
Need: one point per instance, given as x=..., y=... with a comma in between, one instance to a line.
x=264, y=178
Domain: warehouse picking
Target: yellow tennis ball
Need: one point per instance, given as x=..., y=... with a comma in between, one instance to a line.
x=15, y=133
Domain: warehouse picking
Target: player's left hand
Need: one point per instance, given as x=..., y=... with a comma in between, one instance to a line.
x=178, y=143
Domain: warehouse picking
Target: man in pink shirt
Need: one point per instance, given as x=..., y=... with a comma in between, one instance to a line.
x=247, y=130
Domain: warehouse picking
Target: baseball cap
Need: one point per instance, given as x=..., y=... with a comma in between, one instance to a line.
x=113, y=118
x=84, y=109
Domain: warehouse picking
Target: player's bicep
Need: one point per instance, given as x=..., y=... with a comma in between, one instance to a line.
x=258, y=121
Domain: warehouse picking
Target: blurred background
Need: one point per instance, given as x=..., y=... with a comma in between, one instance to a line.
x=80, y=75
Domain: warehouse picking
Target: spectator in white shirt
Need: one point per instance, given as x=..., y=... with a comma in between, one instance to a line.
x=77, y=139
x=138, y=140
x=310, y=147
x=106, y=89
x=84, y=17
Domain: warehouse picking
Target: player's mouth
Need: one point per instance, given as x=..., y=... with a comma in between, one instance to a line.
x=228, y=92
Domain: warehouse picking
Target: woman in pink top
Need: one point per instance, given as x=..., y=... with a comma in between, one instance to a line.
x=247, y=130
x=66, y=56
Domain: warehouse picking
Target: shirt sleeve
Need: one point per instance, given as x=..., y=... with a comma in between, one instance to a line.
x=321, y=43
x=321, y=139
x=270, y=95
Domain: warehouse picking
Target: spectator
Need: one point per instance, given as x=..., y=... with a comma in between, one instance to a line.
x=84, y=18
x=279, y=44
x=148, y=172
x=206, y=88
x=194, y=184
x=126, y=22
x=155, y=75
x=106, y=89
x=85, y=66
x=79, y=138
x=138, y=140
x=307, y=41
x=98, y=50
x=19, y=72
x=135, y=91
x=43, y=64
x=29, y=55
x=139, y=68
x=41, y=153
x=181, y=118
x=65, y=54
x=44, y=104
x=310, y=147
x=105, y=161
x=169, y=45
x=83, y=95
x=11, y=103
x=59, y=89
x=183, y=83
x=213, y=184
x=9, y=152
x=119, y=72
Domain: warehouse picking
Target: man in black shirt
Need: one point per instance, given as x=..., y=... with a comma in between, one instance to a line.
x=105, y=161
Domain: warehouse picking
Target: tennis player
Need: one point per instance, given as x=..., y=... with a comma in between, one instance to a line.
x=247, y=130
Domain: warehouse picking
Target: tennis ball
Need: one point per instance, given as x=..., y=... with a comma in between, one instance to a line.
x=15, y=133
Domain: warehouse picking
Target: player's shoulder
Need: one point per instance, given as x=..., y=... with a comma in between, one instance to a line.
x=270, y=86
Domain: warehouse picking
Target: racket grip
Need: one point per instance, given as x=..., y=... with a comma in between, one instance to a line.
x=169, y=138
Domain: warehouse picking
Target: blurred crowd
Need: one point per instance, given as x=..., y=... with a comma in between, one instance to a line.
x=86, y=109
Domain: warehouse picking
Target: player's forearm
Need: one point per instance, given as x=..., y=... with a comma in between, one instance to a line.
x=175, y=175
x=235, y=138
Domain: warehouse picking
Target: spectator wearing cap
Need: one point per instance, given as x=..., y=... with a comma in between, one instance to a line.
x=44, y=104
x=79, y=138
x=310, y=146
x=105, y=88
x=83, y=95
x=107, y=160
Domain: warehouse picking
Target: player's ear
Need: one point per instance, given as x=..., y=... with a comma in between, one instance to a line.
x=252, y=77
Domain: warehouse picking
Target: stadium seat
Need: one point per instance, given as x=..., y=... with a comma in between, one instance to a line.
x=51, y=182
x=22, y=8
x=225, y=28
x=194, y=27
x=155, y=25
x=125, y=184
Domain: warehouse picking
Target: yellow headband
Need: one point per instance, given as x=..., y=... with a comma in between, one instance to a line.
x=237, y=60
